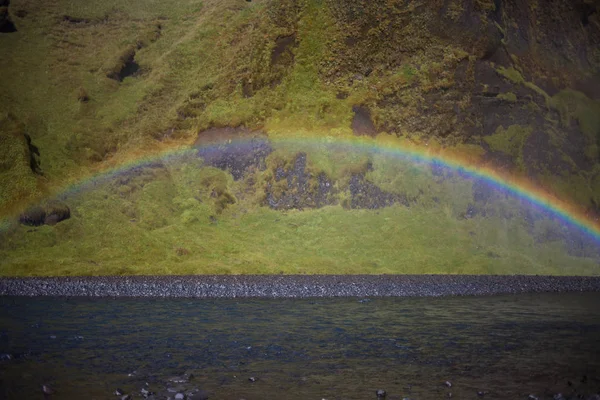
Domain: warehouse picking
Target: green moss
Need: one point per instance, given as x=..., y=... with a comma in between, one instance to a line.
x=511, y=74
x=508, y=96
x=510, y=141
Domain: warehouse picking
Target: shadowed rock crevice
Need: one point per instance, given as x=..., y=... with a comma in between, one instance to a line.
x=282, y=58
x=6, y=23
x=34, y=156
x=125, y=67
x=75, y=20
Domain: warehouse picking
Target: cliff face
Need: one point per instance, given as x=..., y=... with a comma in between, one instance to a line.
x=509, y=83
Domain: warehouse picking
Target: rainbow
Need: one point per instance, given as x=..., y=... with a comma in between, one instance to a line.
x=518, y=187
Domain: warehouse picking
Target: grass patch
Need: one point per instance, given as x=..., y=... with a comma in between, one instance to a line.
x=332, y=240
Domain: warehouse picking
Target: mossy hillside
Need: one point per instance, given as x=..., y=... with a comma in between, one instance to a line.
x=180, y=217
x=328, y=240
x=179, y=49
x=212, y=64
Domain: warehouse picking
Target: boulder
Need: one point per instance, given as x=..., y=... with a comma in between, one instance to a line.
x=50, y=213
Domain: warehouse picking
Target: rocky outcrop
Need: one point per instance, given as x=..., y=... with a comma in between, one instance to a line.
x=50, y=213
x=294, y=186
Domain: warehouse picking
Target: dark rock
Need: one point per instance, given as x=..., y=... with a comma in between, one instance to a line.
x=50, y=214
x=146, y=393
x=119, y=392
x=199, y=395
x=126, y=397
x=6, y=357
x=253, y=379
x=33, y=216
x=448, y=384
x=365, y=194
x=481, y=393
x=559, y=396
x=237, y=150
x=180, y=396
x=295, y=187
x=532, y=397
x=380, y=393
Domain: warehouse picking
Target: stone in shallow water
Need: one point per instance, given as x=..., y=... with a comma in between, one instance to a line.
x=47, y=390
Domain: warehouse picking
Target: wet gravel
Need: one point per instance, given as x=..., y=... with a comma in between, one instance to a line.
x=293, y=286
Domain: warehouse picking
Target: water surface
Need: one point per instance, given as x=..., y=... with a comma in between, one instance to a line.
x=507, y=345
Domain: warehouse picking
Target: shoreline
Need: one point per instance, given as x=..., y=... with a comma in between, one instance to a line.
x=294, y=286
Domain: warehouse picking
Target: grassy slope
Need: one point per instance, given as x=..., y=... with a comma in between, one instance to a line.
x=168, y=221
x=195, y=70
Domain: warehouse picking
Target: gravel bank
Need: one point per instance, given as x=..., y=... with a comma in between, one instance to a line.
x=293, y=286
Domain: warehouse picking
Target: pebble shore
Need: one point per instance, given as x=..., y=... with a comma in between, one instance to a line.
x=294, y=286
